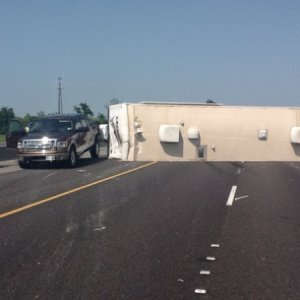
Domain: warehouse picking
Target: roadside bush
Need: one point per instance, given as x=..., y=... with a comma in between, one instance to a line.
x=6, y=114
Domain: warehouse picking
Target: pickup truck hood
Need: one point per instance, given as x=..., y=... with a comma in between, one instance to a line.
x=51, y=135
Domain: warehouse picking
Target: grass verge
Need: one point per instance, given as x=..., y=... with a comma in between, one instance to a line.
x=2, y=138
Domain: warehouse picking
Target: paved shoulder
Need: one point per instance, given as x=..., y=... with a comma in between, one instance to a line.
x=7, y=153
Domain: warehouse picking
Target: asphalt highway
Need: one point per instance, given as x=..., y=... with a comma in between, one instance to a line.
x=138, y=230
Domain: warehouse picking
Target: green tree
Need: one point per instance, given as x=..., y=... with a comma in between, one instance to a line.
x=27, y=119
x=113, y=101
x=102, y=118
x=210, y=101
x=84, y=109
x=6, y=114
x=40, y=114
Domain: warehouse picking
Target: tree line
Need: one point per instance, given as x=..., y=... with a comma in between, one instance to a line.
x=7, y=114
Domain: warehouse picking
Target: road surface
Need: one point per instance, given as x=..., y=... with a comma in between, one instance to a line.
x=7, y=153
x=128, y=230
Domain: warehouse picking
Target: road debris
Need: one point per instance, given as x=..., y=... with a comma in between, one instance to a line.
x=242, y=197
x=200, y=291
x=215, y=245
x=99, y=228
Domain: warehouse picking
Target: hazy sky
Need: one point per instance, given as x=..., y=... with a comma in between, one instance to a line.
x=234, y=52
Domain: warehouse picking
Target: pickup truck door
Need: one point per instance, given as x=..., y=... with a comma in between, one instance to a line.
x=79, y=137
x=87, y=137
x=15, y=132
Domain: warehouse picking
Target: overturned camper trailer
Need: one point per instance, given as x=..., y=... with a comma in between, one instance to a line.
x=203, y=132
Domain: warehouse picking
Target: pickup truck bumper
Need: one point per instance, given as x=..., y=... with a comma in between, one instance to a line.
x=42, y=157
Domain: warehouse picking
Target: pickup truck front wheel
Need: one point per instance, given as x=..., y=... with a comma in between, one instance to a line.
x=73, y=158
x=23, y=165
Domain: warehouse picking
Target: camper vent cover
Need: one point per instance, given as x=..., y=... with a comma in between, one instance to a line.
x=169, y=133
x=295, y=135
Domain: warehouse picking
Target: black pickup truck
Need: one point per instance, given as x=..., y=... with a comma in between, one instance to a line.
x=59, y=138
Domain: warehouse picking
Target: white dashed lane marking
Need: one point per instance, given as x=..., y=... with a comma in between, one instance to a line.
x=204, y=272
x=231, y=196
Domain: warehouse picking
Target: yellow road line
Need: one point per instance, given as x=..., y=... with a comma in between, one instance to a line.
x=17, y=210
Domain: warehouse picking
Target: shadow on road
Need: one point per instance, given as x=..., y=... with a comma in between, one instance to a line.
x=11, y=154
x=82, y=162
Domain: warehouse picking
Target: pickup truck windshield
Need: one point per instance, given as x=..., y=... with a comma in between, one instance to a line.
x=48, y=125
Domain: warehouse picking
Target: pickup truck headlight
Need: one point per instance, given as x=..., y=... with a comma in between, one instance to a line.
x=20, y=145
x=61, y=144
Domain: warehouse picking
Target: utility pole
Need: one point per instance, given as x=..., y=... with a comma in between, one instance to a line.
x=60, y=107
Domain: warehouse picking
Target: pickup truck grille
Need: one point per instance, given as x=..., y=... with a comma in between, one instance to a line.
x=39, y=144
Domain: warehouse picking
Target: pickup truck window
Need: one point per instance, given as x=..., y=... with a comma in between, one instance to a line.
x=15, y=126
x=51, y=125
